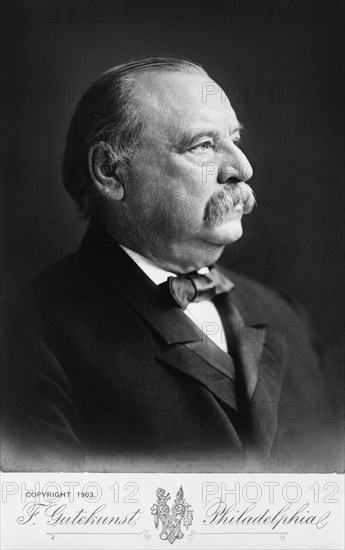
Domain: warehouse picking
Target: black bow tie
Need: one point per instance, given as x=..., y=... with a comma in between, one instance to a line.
x=194, y=287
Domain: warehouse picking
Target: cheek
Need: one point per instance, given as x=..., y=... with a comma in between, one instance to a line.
x=183, y=200
x=187, y=182
x=175, y=212
x=171, y=190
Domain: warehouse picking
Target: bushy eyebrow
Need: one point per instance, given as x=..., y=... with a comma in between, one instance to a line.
x=189, y=137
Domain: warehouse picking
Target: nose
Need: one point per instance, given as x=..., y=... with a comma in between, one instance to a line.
x=234, y=166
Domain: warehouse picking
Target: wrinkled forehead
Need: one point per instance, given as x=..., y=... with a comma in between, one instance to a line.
x=170, y=101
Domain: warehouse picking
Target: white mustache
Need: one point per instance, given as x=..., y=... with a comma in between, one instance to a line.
x=225, y=201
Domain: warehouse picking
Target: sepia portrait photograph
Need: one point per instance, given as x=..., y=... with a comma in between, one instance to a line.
x=172, y=237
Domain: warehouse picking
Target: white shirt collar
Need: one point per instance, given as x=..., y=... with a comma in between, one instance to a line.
x=156, y=274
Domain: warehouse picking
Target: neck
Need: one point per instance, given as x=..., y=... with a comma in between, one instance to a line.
x=181, y=263
x=177, y=257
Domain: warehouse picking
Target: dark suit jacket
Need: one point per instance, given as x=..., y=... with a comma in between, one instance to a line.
x=103, y=374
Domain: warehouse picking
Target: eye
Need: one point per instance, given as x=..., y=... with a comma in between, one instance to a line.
x=204, y=146
x=237, y=139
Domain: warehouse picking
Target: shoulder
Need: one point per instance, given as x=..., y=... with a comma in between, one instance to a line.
x=256, y=299
x=60, y=295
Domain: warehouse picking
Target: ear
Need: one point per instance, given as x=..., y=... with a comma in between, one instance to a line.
x=105, y=172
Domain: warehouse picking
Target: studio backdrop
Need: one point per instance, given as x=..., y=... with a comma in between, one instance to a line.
x=280, y=65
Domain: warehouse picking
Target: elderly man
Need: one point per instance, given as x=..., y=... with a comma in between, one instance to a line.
x=136, y=352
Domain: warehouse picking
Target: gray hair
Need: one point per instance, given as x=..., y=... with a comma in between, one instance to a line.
x=108, y=111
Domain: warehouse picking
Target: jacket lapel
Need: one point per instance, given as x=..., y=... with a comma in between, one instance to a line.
x=264, y=337
x=245, y=343
x=188, y=349
x=266, y=398
x=194, y=359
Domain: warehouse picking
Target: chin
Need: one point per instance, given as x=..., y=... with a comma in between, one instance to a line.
x=227, y=233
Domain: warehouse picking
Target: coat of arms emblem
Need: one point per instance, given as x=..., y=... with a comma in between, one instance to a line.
x=172, y=519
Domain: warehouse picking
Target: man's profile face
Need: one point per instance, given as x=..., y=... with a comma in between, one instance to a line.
x=186, y=157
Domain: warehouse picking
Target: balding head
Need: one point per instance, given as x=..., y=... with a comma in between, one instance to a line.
x=109, y=112
x=161, y=166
